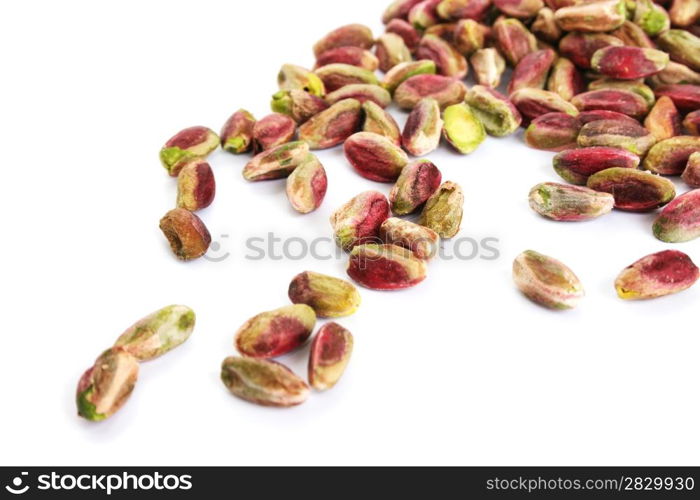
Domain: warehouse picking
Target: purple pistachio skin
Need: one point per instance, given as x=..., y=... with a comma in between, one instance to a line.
x=657, y=275
x=679, y=221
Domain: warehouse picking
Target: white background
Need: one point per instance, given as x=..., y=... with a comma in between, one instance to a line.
x=461, y=370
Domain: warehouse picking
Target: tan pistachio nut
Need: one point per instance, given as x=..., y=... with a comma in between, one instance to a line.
x=657, y=275
x=196, y=186
x=105, y=387
x=398, y=9
x=391, y=50
x=446, y=31
x=547, y=281
x=292, y=77
x=358, y=221
x=553, y=132
x=333, y=125
x=158, y=333
x=685, y=97
x=194, y=143
x=633, y=35
x=675, y=73
x=379, y=121
x=682, y=46
x=448, y=60
x=463, y=9
x=691, y=123
x=443, y=89
x=664, y=121
x=411, y=36
x=463, y=128
x=275, y=333
x=561, y=202
x=422, y=241
x=272, y=131
x=670, y=156
x=565, y=79
x=545, y=27
x=307, y=185
x=329, y=297
x=329, y=356
x=276, y=163
x=237, y=132
x=601, y=16
x=489, y=66
x=691, y=174
x=416, y=184
x=444, y=210
x=375, y=157
x=424, y=15
x=423, y=129
x=263, y=382
x=189, y=238
x=634, y=190
x=298, y=104
x=685, y=13
x=385, y=267
x=470, y=36
x=496, y=112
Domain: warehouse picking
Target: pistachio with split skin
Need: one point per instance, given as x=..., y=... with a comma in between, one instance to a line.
x=685, y=97
x=196, y=186
x=105, y=387
x=329, y=357
x=489, y=66
x=561, y=202
x=679, y=221
x=375, y=157
x=274, y=333
x=513, y=39
x=444, y=90
x=628, y=63
x=386, y=267
x=333, y=125
x=190, y=144
x=657, y=275
x=158, y=333
x=297, y=104
x=622, y=101
x=470, y=36
x=358, y=221
x=670, y=156
x=629, y=135
x=307, y=185
x=189, y=238
x=237, y=132
x=379, y=121
x=416, y=184
x=448, y=60
x=463, y=128
x=547, y=281
x=533, y=103
x=577, y=165
x=338, y=75
x=403, y=28
x=361, y=92
x=545, y=27
x=602, y=16
x=663, y=121
x=444, y=210
x=292, y=77
x=565, y=79
x=403, y=71
x=691, y=174
x=423, y=129
x=351, y=35
x=634, y=190
x=652, y=18
x=422, y=241
x=354, y=56
x=682, y=46
x=263, y=382
x=553, y=132
x=532, y=70
x=580, y=47
x=276, y=163
x=272, y=131
x=391, y=50
x=329, y=297
x=495, y=111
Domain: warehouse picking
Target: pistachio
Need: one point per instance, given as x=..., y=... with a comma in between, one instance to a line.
x=237, y=133
x=634, y=190
x=375, y=157
x=521, y=9
x=663, y=121
x=358, y=221
x=633, y=35
x=545, y=27
x=622, y=101
x=546, y=281
x=605, y=15
x=675, y=73
x=410, y=35
x=391, y=50
x=470, y=36
x=330, y=354
x=513, y=39
x=463, y=129
x=635, y=86
x=307, y=185
x=691, y=174
x=617, y=134
x=293, y=77
x=274, y=333
x=561, y=202
x=193, y=143
x=445, y=90
x=553, y=132
x=682, y=46
x=463, y=9
x=386, y=267
x=272, y=131
x=423, y=15
x=333, y=125
x=685, y=97
x=691, y=122
x=496, y=112
x=533, y=103
x=657, y=275
x=416, y=184
x=444, y=210
x=351, y=35
x=354, y=56
x=489, y=66
x=423, y=129
x=532, y=70
x=297, y=104
x=403, y=71
x=106, y=386
x=276, y=163
x=361, y=92
x=577, y=165
x=196, y=186
x=398, y=9
x=188, y=236
x=448, y=60
x=679, y=221
x=336, y=76
x=565, y=79
x=628, y=63
x=685, y=13
x=378, y=121
x=329, y=297
x=263, y=382
x=670, y=156
x=580, y=47
x=652, y=18
x=158, y=333
x=422, y=241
